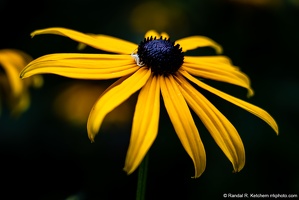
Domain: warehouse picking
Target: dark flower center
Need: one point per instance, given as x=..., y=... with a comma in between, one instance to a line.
x=161, y=55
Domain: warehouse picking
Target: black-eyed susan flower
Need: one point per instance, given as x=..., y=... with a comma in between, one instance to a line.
x=15, y=91
x=157, y=65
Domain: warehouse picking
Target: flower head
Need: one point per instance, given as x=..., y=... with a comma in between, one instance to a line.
x=157, y=65
x=15, y=90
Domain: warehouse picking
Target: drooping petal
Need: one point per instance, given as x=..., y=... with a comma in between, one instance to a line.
x=216, y=73
x=82, y=66
x=257, y=111
x=183, y=123
x=194, y=42
x=113, y=97
x=103, y=42
x=223, y=132
x=217, y=68
x=145, y=124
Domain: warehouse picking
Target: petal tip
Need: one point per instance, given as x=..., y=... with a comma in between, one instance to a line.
x=219, y=49
x=250, y=93
x=22, y=75
x=128, y=172
x=33, y=34
x=91, y=137
x=196, y=175
x=276, y=130
x=238, y=169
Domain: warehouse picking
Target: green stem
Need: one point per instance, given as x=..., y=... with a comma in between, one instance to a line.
x=142, y=175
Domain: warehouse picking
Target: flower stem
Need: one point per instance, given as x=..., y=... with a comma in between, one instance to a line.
x=142, y=175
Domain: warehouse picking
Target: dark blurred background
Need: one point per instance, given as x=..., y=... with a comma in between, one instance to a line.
x=46, y=154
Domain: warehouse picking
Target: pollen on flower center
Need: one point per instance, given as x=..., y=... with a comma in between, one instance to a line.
x=161, y=55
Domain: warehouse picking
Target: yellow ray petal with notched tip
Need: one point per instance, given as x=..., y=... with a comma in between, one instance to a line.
x=257, y=111
x=103, y=42
x=145, y=124
x=82, y=66
x=113, y=97
x=194, y=42
x=223, y=132
x=183, y=123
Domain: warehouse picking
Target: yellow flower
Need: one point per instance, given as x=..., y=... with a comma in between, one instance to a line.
x=75, y=100
x=16, y=90
x=155, y=65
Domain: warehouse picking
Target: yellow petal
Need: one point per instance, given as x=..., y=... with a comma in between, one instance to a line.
x=245, y=105
x=210, y=59
x=223, y=132
x=103, y=42
x=82, y=46
x=145, y=124
x=152, y=33
x=217, y=68
x=12, y=61
x=83, y=66
x=220, y=74
x=164, y=35
x=183, y=123
x=194, y=42
x=60, y=56
x=113, y=97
